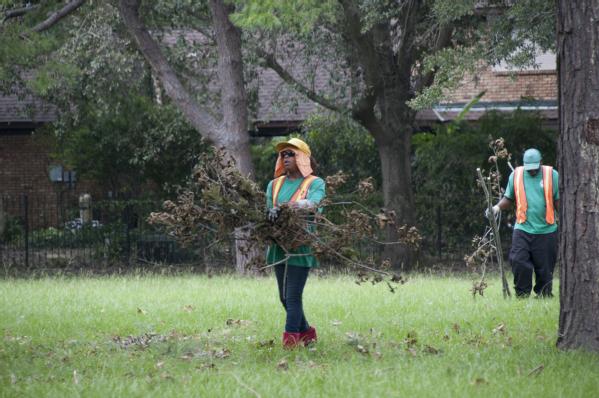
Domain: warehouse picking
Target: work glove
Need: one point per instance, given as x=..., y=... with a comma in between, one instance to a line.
x=303, y=204
x=495, y=210
x=272, y=214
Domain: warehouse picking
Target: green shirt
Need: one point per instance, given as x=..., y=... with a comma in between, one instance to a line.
x=316, y=193
x=535, y=197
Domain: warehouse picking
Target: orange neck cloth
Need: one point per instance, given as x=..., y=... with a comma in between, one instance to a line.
x=302, y=161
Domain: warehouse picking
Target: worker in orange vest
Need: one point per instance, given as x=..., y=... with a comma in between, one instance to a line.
x=534, y=189
x=296, y=186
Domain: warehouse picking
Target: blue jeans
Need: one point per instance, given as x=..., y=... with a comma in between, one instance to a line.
x=291, y=286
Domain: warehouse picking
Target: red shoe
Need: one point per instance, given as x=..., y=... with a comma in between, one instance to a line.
x=308, y=336
x=291, y=340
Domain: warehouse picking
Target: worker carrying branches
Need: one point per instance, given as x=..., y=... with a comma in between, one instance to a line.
x=534, y=189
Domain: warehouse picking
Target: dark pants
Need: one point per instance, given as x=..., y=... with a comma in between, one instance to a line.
x=533, y=252
x=291, y=286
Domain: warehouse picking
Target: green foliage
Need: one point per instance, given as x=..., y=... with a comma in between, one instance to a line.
x=138, y=142
x=450, y=11
x=13, y=229
x=521, y=131
x=340, y=144
x=337, y=144
x=299, y=16
x=515, y=34
x=264, y=158
x=449, y=65
x=527, y=27
x=444, y=171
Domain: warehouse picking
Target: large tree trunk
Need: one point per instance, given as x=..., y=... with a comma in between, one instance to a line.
x=394, y=149
x=235, y=136
x=578, y=60
x=231, y=133
x=235, y=114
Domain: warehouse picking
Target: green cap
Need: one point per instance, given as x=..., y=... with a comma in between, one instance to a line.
x=532, y=159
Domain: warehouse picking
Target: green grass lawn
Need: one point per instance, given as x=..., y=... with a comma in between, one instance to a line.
x=220, y=336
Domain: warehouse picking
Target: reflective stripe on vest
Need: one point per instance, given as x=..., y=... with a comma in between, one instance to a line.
x=300, y=194
x=522, y=204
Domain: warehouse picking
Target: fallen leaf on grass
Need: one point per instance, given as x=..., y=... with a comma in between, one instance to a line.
x=223, y=353
x=479, y=381
x=499, y=328
x=431, y=350
x=411, y=339
x=220, y=354
x=266, y=343
x=142, y=341
x=237, y=322
x=536, y=370
x=353, y=338
x=188, y=356
x=283, y=364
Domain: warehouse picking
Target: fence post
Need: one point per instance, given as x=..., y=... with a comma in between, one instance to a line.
x=26, y=228
x=439, y=232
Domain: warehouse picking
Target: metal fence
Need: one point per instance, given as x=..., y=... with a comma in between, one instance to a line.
x=51, y=232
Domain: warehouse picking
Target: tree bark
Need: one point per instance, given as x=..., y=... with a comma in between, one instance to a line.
x=199, y=117
x=235, y=113
x=231, y=133
x=233, y=95
x=578, y=66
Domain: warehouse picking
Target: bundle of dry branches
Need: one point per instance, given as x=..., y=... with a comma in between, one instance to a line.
x=220, y=200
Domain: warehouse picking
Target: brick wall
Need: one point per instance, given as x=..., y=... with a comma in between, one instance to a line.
x=24, y=162
x=503, y=86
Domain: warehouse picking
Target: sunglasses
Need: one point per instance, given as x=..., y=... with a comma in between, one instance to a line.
x=287, y=154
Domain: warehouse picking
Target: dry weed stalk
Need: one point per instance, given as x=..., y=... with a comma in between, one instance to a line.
x=489, y=246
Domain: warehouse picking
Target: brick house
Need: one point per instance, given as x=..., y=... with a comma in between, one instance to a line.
x=505, y=90
x=27, y=166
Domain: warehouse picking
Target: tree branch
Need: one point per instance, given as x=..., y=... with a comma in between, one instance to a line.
x=273, y=64
x=368, y=59
x=17, y=12
x=57, y=16
x=443, y=40
x=198, y=116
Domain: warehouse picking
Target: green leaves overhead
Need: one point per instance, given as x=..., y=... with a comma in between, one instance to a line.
x=448, y=11
x=290, y=15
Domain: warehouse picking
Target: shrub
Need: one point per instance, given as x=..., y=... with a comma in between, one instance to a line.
x=444, y=171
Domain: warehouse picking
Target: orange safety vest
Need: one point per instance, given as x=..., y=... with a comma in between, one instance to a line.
x=522, y=204
x=301, y=192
